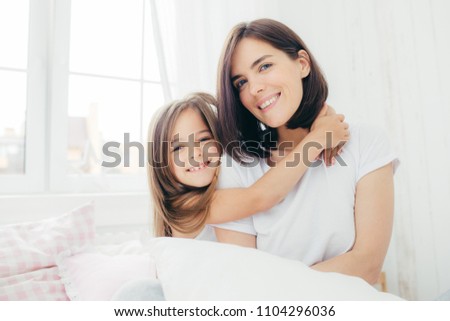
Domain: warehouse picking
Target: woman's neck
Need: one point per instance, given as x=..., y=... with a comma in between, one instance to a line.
x=289, y=138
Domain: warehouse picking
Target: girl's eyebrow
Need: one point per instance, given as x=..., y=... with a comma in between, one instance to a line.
x=176, y=138
x=253, y=65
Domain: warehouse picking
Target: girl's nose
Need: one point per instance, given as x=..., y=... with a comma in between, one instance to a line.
x=197, y=154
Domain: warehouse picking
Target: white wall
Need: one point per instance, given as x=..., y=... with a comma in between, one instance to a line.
x=388, y=62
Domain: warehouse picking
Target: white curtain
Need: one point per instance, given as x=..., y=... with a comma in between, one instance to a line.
x=193, y=35
x=386, y=63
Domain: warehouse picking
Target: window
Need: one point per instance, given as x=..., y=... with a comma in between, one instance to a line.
x=13, y=72
x=77, y=74
x=22, y=98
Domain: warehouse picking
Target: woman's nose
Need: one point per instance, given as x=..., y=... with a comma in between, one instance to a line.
x=256, y=87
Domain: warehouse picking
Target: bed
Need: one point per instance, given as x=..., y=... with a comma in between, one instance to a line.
x=64, y=258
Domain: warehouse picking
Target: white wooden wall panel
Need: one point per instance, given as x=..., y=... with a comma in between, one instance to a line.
x=388, y=62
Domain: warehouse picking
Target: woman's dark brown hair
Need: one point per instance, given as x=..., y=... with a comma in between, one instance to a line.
x=240, y=132
x=175, y=205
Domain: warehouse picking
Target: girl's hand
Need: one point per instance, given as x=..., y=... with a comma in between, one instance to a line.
x=338, y=133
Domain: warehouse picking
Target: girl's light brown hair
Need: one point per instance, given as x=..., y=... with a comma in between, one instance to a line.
x=175, y=205
x=239, y=130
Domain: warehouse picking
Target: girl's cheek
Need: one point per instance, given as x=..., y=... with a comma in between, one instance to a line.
x=181, y=163
x=209, y=149
x=177, y=161
x=213, y=152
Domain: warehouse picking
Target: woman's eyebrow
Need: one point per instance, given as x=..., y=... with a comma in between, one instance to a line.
x=257, y=61
x=253, y=65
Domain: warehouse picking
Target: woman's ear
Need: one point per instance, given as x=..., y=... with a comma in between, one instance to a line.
x=305, y=63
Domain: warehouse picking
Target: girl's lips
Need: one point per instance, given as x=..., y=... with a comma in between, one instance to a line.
x=199, y=168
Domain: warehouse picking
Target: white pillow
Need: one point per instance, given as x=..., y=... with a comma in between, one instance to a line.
x=200, y=270
x=94, y=276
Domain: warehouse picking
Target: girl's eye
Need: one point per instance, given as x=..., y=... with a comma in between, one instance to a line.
x=238, y=84
x=265, y=67
x=205, y=139
x=177, y=148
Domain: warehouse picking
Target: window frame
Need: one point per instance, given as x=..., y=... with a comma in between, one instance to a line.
x=47, y=109
x=33, y=179
x=59, y=180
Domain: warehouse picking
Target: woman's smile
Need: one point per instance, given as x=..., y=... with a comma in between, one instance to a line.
x=268, y=103
x=267, y=78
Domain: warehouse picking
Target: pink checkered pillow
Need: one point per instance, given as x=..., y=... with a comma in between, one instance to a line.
x=43, y=284
x=31, y=246
x=28, y=254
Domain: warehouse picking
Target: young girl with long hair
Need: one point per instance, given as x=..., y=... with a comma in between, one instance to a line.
x=184, y=160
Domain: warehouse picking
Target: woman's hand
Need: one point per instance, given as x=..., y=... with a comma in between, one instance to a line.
x=333, y=124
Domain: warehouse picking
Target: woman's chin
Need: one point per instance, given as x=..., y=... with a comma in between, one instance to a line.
x=275, y=123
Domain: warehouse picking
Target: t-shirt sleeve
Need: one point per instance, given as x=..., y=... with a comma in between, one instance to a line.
x=375, y=150
x=230, y=176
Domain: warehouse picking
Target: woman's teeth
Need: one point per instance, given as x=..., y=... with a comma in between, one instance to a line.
x=268, y=102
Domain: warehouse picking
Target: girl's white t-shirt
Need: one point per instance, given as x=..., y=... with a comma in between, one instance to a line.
x=315, y=221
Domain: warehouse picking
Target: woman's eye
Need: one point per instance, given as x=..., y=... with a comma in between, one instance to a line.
x=205, y=139
x=238, y=84
x=265, y=67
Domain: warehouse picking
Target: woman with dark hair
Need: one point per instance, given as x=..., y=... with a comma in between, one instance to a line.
x=339, y=218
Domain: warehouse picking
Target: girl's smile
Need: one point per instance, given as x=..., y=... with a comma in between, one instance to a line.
x=200, y=167
x=193, y=150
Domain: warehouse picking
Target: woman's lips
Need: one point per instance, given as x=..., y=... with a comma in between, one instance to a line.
x=269, y=103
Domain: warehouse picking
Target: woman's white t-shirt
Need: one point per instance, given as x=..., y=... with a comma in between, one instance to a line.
x=315, y=221
x=207, y=234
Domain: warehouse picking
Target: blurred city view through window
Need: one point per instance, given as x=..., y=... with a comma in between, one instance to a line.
x=13, y=90
x=95, y=67
x=114, y=82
